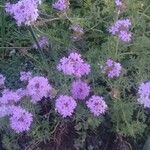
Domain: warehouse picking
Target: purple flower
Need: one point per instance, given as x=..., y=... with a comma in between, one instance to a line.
x=65, y=105
x=74, y=65
x=25, y=76
x=20, y=120
x=2, y=80
x=144, y=94
x=80, y=90
x=9, y=97
x=118, y=2
x=61, y=5
x=121, y=29
x=120, y=5
x=4, y=111
x=38, y=87
x=43, y=42
x=112, y=68
x=97, y=105
x=22, y=92
x=125, y=36
x=25, y=12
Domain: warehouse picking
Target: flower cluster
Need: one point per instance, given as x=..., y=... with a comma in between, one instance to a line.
x=77, y=32
x=42, y=41
x=38, y=87
x=65, y=105
x=80, y=90
x=74, y=65
x=97, y=105
x=144, y=94
x=20, y=119
x=120, y=5
x=25, y=76
x=121, y=29
x=61, y=5
x=4, y=111
x=112, y=68
x=9, y=97
x=25, y=12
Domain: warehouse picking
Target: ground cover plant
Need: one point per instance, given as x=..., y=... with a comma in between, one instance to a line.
x=75, y=74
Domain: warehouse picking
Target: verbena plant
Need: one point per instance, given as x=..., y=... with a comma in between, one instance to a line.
x=81, y=27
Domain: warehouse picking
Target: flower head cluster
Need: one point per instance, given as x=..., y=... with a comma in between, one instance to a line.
x=2, y=80
x=20, y=119
x=9, y=97
x=80, y=90
x=74, y=65
x=144, y=94
x=112, y=68
x=120, y=5
x=25, y=76
x=22, y=92
x=118, y=2
x=65, y=105
x=4, y=111
x=121, y=29
x=38, y=87
x=25, y=12
x=97, y=105
x=43, y=42
x=61, y=5
x=77, y=31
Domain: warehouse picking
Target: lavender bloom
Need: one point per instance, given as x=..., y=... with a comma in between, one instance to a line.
x=120, y=5
x=125, y=36
x=43, y=42
x=74, y=65
x=118, y=2
x=22, y=92
x=121, y=29
x=4, y=111
x=80, y=90
x=25, y=12
x=9, y=97
x=61, y=5
x=38, y=87
x=2, y=80
x=97, y=105
x=112, y=68
x=144, y=94
x=25, y=76
x=65, y=105
x=20, y=120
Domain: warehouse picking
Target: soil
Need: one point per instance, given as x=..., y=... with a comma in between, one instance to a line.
x=65, y=135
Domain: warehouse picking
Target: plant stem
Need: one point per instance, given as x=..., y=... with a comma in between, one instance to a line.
x=36, y=41
x=117, y=44
x=3, y=27
x=39, y=49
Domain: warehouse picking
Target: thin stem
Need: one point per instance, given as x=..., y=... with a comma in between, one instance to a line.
x=14, y=47
x=117, y=44
x=127, y=53
x=41, y=22
x=68, y=17
x=142, y=14
x=36, y=41
x=39, y=49
x=3, y=27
